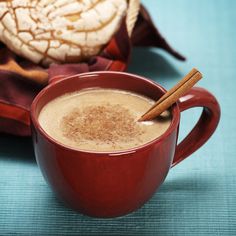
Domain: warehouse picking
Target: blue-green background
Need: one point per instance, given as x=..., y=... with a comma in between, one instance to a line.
x=199, y=195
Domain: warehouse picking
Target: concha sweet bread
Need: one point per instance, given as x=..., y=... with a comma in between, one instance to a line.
x=62, y=31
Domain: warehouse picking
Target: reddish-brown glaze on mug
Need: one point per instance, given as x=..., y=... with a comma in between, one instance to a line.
x=103, y=184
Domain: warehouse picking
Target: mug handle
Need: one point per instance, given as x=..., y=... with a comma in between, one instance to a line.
x=206, y=125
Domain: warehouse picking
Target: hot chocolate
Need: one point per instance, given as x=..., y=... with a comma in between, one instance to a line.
x=101, y=120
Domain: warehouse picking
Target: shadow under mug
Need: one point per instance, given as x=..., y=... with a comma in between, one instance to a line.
x=110, y=184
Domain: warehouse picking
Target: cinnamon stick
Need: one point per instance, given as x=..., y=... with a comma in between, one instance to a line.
x=172, y=95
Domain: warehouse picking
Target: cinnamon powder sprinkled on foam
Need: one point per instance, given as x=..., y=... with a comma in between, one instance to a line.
x=101, y=123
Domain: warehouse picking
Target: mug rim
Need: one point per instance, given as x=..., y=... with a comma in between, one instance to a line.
x=34, y=121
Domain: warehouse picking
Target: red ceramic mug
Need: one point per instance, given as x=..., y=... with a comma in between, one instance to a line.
x=116, y=183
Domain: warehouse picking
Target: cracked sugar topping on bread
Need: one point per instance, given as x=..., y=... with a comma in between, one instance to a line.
x=59, y=31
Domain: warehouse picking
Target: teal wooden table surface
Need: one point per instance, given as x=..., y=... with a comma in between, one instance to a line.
x=199, y=195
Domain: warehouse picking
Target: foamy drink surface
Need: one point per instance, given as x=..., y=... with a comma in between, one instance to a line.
x=101, y=120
